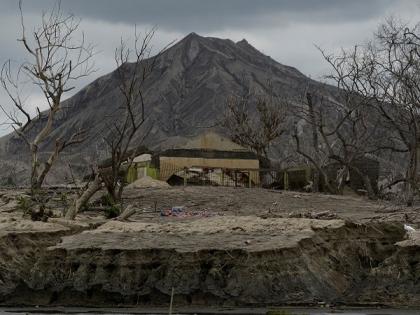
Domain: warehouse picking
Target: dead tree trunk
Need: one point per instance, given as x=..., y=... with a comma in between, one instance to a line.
x=93, y=187
x=54, y=59
x=315, y=141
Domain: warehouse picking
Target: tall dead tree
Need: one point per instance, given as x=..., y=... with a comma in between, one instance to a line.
x=315, y=141
x=127, y=122
x=255, y=121
x=54, y=60
x=131, y=78
x=307, y=114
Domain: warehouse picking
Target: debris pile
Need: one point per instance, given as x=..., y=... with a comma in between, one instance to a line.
x=323, y=215
x=181, y=212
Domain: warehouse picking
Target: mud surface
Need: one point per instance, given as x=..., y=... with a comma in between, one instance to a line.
x=237, y=247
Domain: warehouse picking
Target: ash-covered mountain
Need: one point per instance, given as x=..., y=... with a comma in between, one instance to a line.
x=185, y=94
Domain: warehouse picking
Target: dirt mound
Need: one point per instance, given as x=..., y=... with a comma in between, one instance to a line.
x=148, y=182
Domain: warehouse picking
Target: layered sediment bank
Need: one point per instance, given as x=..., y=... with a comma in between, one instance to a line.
x=220, y=260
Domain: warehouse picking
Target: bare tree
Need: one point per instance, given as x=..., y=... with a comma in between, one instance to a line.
x=386, y=73
x=343, y=133
x=131, y=79
x=54, y=61
x=127, y=123
x=255, y=121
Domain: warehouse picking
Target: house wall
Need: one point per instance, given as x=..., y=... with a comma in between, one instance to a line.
x=169, y=165
x=140, y=170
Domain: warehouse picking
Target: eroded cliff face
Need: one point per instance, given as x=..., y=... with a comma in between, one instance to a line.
x=221, y=260
x=397, y=278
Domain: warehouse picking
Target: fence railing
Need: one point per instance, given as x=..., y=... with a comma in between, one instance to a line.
x=294, y=179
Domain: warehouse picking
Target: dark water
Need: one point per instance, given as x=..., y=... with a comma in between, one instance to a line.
x=138, y=311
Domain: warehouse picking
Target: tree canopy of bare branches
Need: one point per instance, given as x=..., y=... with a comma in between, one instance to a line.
x=341, y=132
x=386, y=73
x=255, y=121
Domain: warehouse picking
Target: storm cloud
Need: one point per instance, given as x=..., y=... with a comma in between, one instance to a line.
x=287, y=30
x=205, y=16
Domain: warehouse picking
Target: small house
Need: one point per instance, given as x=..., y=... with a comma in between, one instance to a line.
x=208, y=158
x=141, y=167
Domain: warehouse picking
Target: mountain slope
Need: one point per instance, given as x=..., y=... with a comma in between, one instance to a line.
x=186, y=93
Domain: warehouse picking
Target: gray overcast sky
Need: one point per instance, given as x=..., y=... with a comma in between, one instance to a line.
x=286, y=30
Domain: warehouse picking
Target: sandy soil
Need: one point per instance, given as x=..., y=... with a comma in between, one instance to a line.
x=210, y=209
x=262, y=202
x=222, y=232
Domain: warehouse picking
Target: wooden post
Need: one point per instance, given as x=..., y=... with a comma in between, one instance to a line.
x=249, y=179
x=172, y=300
x=286, y=180
x=223, y=177
x=308, y=175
